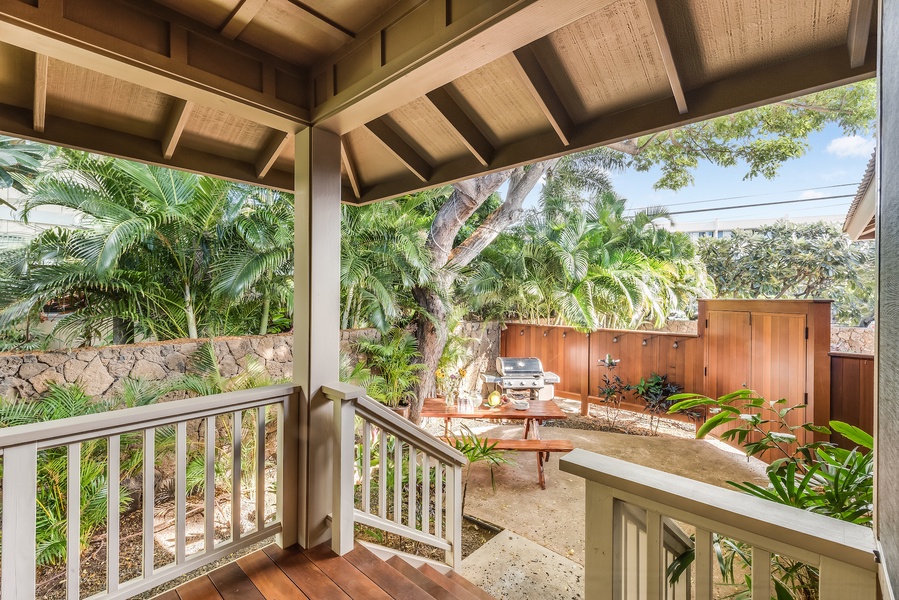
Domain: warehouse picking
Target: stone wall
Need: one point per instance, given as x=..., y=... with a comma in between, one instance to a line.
x=102, y=370
x=859, y=340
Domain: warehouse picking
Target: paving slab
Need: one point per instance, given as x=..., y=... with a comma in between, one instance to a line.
x=511, y=567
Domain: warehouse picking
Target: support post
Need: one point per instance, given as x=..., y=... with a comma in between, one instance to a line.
x=343, y=480
x=316, y=322
x=600, y=548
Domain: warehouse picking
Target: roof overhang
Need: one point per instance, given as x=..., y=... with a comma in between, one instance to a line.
x=861, y=219
x=422, y=92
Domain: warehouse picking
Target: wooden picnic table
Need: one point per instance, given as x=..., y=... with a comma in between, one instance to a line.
x=533, y=416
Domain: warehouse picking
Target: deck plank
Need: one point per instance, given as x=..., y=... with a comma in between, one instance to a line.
x=350, y=579
x=233, y=584
x=385, y=576
x=420, y=579
x=200, y=588
x=305, y=574
x=268, y=578
x=169, y=595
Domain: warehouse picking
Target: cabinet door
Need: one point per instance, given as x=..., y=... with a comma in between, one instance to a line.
x=728, y=349
x=779, y=362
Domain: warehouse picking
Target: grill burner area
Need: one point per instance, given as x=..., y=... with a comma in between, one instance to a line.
x=521, y=374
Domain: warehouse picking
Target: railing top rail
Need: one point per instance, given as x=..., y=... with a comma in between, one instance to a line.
x=142, y=417
x=733, y=510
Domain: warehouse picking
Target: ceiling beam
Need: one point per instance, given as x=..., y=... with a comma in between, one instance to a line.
x=491, y=30
x=350, y=170
x=41, y=64
x=859, y=29
x=463, y=127
x=803, y=75
x=245, y=12
x=658, y=27
x=16, y=122
x=44, y=31
x=323, y=23
x=273, y=148
x=540, y=87
x=400, y=149
x=178, y=116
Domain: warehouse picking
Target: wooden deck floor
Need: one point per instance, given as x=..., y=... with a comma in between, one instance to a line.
x=319, y=574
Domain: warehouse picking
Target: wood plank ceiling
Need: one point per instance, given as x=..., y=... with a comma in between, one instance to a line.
x=423, y=92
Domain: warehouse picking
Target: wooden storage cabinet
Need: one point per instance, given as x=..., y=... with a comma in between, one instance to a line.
x=779, y=349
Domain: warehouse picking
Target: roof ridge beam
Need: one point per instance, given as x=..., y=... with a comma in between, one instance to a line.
x=859, y=30
x=658, y=28
x=41, y=68
x=463, y=127
x=400, y=149
x=178, y=116
x=491, y=30
x=540, y=87
x=273, y=148
x=241, y=17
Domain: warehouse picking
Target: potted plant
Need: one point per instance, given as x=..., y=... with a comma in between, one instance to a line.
x=393, y=360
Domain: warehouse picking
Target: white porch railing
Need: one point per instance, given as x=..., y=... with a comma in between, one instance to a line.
x=842, y=552
x=21, y=453
x=405, y=460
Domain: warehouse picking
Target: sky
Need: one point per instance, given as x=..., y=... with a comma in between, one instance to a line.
x=832, y=160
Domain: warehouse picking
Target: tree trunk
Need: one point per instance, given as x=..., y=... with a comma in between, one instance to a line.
x=122, y=331
x=432, y=335
x=189, y=313
x=263, y=320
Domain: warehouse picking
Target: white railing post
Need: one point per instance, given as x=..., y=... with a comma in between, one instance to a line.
x=599, y=566
x=19, y=502
x=342, y=517
x=454, y=515
x=839, y=580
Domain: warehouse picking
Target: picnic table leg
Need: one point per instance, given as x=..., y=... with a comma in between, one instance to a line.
x=527, y=428
x=446, y=427
x=536, y=429
x=540, y=470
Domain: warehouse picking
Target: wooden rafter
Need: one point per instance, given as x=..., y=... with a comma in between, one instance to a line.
x=399, y=148
x=323, y=23
x=350, y=169
x=538, y=84
x=464, y=128
x=41, y=64
x=273, y=148
x=658, y=27
x=859, y=30
x=178, y=116
x=245, y=12
x=803, y=75
x=16, y=121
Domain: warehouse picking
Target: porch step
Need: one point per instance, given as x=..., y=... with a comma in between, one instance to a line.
x=320, y=574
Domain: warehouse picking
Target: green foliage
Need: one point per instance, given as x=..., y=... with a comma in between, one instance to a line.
x=392, y=360
x=762, y=138
x=790, y=260
x=20, y=161
x=477, y=449
x=588, y=268
x=612, y=392
x=656, y=392
x=816, y=476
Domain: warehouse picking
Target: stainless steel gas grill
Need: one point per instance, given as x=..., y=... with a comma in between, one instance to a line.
x=523, y=374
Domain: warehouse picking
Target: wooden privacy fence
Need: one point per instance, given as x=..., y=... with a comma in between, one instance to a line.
x=852, y=391
x=575, y=356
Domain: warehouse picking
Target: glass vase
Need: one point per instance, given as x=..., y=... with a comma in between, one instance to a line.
x=451, y=398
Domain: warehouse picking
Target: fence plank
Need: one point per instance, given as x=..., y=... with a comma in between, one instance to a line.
x=73, y=523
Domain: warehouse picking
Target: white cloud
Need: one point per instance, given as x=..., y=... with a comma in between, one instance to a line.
x=851, y=146
x=811, y=194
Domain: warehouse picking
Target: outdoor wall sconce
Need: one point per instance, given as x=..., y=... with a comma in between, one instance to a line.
x=521, y=332
x=645, y=342
x=564, y=334
x=609, y=362
x=674, y=345
x=545, y=333
x=615, y=340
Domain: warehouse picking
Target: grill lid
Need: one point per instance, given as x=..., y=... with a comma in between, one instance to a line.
x=511, y=366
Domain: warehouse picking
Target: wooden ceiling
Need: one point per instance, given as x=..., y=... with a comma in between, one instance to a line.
x=423, y=92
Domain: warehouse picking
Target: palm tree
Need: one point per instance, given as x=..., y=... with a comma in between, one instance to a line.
x=20, y=161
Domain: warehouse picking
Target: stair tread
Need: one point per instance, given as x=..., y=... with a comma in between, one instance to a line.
x=470, y=586
x=342, y=572
x=384, y=575
x=450, y=585
x=421, y=580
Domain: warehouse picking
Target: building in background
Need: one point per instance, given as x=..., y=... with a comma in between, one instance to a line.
x=724, y=227
x=14, y=232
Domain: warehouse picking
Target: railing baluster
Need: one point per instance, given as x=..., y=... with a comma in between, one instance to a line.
x=209, y=486
x=149, y=491
x=366, y=466
x=382, y=475
x=426, y=493
x=438, y=499
x=260, y=468
x=454, y=514
x=397, y=479
x=703, y=564
x=73, y=523
x=412, y=508
x=180, y=492
x=236, y=456
x=113, y=452
x=655, y=570
x=761, y=574
x=19, y=501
